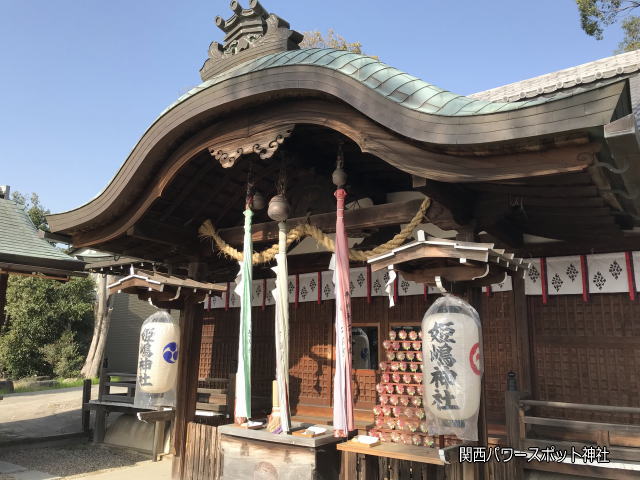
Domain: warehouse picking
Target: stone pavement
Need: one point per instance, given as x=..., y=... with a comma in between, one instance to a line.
x=10, y=471
x=146, y=470
x=43, y=414
x=141, y=471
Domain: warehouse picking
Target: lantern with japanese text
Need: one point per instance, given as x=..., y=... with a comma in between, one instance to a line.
x=360, y=349
x=157, y=359
x=452, y=365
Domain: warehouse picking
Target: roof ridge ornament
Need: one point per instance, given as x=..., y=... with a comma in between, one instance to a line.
x=249, y=33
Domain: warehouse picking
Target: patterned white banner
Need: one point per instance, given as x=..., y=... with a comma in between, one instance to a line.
x=271, y=284
x=358, y=282
x=327, y=286
x=217, y=302
x=607, y=273
x=564, y=276
x=257, y=292
x=378, y=281
x=505, y=286
x=308, y=287
x=291, y=288
x=234, y=298
x=533, y=278
x=407, y=287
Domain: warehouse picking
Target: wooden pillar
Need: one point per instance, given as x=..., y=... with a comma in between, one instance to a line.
x=4, y=280
x=158, y=439
x=514, y=429
x=188, y=363
x=522, y=337
x=475, y=299
x=100, y=424
x=474, y=296
x=86, y=412
x=348, y=470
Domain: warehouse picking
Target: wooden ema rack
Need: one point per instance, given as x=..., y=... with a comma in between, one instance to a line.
x=399, y=415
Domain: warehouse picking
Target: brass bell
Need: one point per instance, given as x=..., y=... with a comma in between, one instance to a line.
x=258, y=201
x=278, y=208
x=339, y=177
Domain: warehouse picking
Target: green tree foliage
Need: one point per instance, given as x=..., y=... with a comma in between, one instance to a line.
x=596, y=15
x=49, y=328
x=631, y=40
x=65, y=355
x=37, y=213
x=315, y=39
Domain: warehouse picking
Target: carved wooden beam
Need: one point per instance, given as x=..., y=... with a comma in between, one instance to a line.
x=360, y=219
x=471, y=275
x=264, y=143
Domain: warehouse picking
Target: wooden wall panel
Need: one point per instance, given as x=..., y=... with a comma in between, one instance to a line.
x=500, y=352
x=587, y=352
x=220, y=347
x=312, y=351
x=201, y=452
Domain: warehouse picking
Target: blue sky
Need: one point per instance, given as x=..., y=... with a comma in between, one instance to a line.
x=81, y=80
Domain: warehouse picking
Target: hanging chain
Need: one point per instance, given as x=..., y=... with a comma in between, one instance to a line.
x=250, y=185
x=281, y=184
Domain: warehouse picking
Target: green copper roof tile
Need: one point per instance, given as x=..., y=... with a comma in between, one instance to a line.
x=395, y=85
x=318, y=55
x=489, y=108
x=471, y=108
x=330, y=59
x=379, y=77
x=411, y=87
x=280, y=59
x=294, y=59
x=392, y=84
x=398, y=96
x=340, y=61
x=364, y=73
x=454, y=106
x=420, y=96
x=356, y=64
x=441, y=99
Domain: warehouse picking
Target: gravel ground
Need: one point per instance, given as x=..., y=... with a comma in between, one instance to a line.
x=71, y=459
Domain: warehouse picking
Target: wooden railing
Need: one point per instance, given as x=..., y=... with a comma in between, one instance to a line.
x=216, y=395
x=527, y=431
x=116, y=379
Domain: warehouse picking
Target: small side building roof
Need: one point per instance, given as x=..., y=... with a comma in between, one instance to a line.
x=22, y=250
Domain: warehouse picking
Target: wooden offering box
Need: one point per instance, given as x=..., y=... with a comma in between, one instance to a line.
x=248, y=454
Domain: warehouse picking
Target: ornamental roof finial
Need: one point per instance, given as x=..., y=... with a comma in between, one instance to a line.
x=249, y=33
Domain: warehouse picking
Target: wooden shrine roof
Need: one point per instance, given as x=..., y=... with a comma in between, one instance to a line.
x=551, y=166
x=427, y=258
x=22, y=249
x=145, y=280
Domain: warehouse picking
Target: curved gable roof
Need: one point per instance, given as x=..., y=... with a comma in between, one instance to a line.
x=395, y=85
x=410, y=108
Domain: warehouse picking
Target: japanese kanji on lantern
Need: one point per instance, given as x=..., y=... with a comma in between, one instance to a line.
x=452, y=356
x=157, y=361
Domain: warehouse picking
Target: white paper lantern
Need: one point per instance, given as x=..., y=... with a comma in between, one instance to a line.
x=360, y=349
x=452, y=361
x=158, y=354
